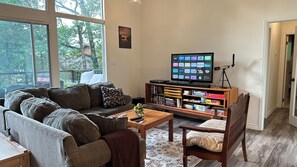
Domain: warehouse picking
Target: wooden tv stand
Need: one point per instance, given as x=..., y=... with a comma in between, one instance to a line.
x=199, y=101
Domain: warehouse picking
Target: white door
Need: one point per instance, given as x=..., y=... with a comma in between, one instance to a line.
x=293, y=111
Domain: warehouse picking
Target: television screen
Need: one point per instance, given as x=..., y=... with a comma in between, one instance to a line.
x=193, y=67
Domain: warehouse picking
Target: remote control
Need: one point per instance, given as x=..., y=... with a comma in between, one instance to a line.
x=135, y=118
x=139, y=120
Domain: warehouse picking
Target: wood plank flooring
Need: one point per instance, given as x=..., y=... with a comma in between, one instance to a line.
x=275, y=146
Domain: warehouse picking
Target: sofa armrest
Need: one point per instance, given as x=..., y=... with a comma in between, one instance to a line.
x=93, y=154
x=48, y=146
x=127, y=99
x=2, y=119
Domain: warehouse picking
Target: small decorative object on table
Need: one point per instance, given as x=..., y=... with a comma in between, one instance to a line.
x=139, y=109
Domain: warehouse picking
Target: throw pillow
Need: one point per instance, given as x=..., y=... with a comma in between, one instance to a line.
x=108, y=124
x=37, y=108
x=112, y=97
x=96, y=94
x=78, y=125
x=75, y=97
x=14, y=99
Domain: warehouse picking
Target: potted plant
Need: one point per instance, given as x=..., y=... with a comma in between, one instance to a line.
x=139, y=109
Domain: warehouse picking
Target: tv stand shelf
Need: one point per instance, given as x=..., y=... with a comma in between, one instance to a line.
x=190, y=100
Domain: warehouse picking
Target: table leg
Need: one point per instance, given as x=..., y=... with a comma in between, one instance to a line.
x=170, y=133
x=143, y=133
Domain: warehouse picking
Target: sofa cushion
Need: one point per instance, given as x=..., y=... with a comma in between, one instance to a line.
x=112, y=97
x=209, y=141
x=96, y=94
x=108, y=111
x=75, y=97
x=36, y=92
x=108, y=124
x=38, y=108
x=78, y=125
x=14, y=99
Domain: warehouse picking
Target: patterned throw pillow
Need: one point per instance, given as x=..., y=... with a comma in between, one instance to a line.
x=112, y=97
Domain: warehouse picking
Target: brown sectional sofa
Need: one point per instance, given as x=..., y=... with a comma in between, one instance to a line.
x=53, y=147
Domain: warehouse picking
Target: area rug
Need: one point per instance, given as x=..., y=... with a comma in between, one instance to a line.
x=162, y=153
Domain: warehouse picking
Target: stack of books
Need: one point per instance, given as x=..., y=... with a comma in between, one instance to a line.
x=172, y=102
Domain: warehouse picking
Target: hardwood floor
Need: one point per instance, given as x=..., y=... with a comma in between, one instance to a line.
x=275, y=146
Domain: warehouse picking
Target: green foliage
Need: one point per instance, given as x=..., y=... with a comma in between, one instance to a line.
x=16, y=51
x=139, y=108
x=73, y=35
x=36, y=4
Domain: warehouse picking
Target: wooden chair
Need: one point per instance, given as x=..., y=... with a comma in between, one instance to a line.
x=233, y=133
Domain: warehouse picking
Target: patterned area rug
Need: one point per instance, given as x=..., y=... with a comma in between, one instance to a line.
x=162, y=153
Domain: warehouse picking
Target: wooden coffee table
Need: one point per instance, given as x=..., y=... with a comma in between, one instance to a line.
x=152, y=118
x=13, y=154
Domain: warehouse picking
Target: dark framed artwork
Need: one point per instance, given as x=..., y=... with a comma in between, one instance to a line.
x=125, y=37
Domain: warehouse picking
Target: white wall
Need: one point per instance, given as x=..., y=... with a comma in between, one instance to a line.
x=123, y=65
x=273, y=67
x=225, y=27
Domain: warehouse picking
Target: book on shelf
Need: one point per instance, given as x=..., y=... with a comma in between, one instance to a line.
x=215, y=95
x=220, y=113
x=172, y=102
x=157, y=90
x=178, y=103
x=158, y=99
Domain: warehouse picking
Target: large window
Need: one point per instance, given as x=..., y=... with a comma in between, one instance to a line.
x=80, y=51
x=87, y=8
x=80, y=41
x=24, y=56
x=35, y=4
x=59, y=44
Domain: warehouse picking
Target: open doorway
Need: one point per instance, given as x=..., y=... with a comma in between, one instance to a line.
x=279, y=66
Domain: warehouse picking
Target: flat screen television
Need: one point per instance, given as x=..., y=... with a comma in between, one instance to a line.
x=192, y=67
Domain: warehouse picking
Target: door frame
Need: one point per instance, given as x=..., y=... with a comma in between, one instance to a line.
x=292, y=112
x=264, y=101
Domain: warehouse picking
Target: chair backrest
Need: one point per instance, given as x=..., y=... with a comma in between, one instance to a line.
x=236, y=123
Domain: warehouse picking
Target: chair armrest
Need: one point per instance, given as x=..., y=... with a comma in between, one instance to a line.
x=201, y=129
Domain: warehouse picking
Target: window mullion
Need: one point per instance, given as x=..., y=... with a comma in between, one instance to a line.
x=53, y=44
x=22, y=14
x=104, y=68
x=79, y=18
x=34, y=56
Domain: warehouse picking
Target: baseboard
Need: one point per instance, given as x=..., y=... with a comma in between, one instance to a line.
x=252, y=126
x=270, y=111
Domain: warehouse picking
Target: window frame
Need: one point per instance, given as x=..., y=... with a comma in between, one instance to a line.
x=49, y=17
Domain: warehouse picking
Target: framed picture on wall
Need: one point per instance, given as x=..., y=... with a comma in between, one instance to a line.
x=125, y=37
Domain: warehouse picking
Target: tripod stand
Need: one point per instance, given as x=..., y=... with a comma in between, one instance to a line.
x=222, y=77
